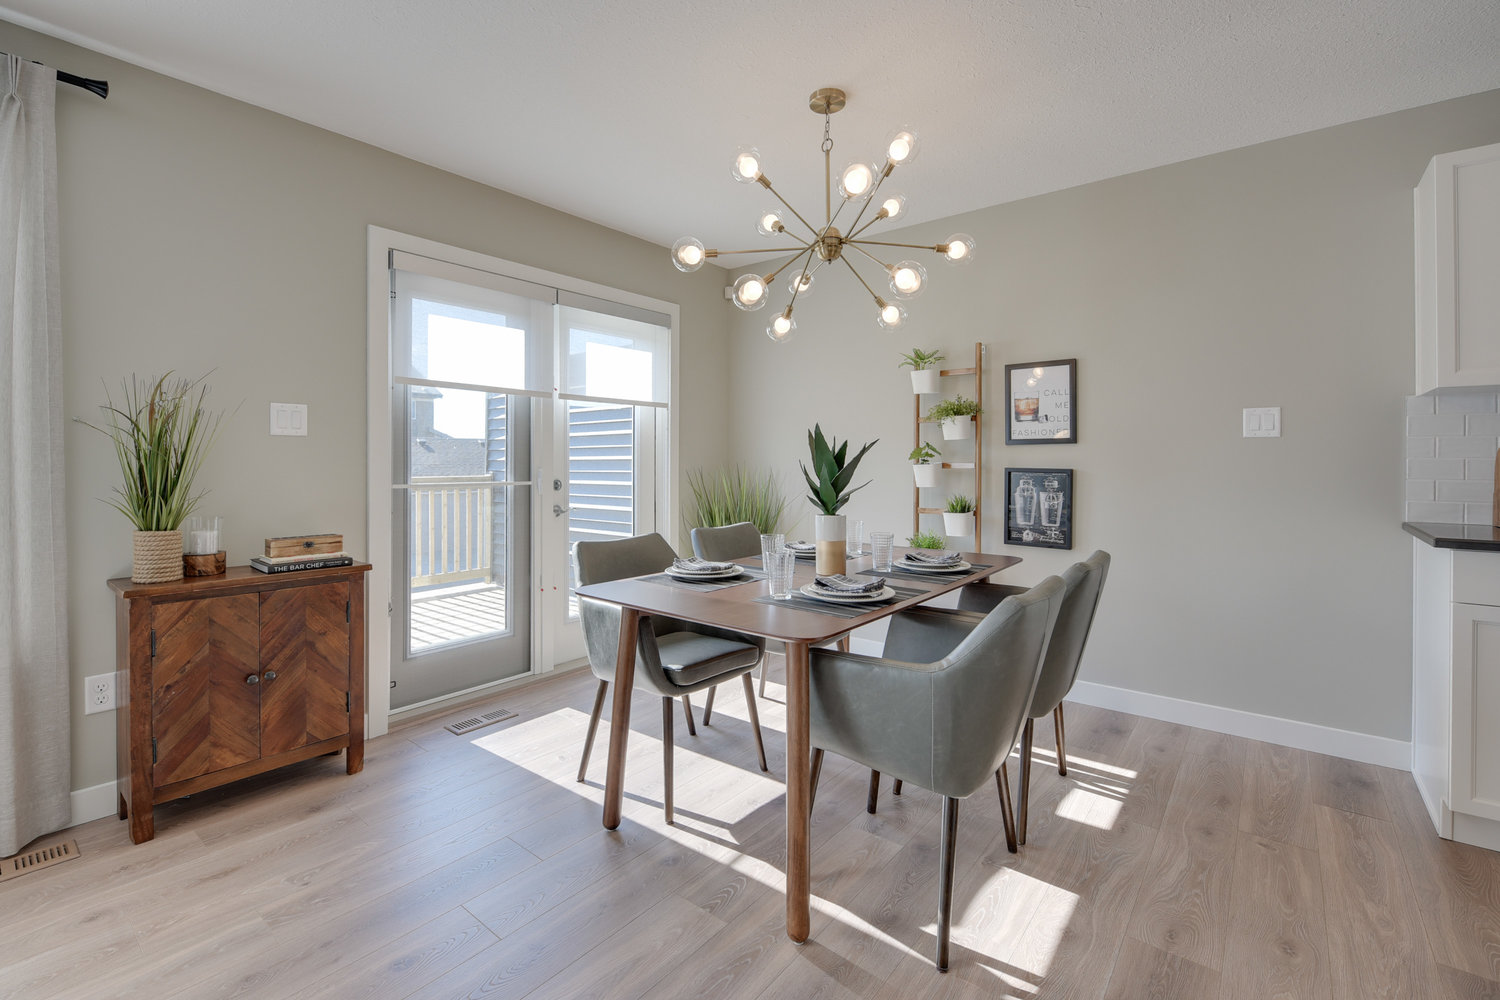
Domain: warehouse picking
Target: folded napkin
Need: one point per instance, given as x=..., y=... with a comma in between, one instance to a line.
x=934, y=557
x=842, y=584
x=696, y=565
x=801, y=546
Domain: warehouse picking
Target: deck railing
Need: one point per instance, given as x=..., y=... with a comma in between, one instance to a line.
x=451, y=534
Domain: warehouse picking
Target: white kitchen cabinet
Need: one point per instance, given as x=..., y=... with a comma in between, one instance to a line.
x=1457, y=213
x=1456, y=690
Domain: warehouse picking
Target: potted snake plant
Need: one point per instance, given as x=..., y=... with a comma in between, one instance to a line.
x=828, y=490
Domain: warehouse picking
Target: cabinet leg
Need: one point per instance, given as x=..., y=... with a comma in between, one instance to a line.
x=124, y=808
x=356, y=757
x=142, y=825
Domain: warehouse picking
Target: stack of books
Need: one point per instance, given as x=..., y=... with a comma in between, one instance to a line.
x=299, y=552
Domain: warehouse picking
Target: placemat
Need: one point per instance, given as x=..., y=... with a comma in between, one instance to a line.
x=917, y=575
x=800, y=603
x=703, y=586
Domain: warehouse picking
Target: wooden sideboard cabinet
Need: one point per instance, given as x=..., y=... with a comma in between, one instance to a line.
x=223, y=677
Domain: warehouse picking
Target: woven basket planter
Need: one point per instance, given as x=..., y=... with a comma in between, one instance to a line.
x=156, y=557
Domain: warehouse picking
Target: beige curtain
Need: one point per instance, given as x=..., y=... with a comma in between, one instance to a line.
x=34, y=725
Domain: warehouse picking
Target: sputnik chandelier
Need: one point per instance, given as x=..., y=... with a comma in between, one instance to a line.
x=859, y=185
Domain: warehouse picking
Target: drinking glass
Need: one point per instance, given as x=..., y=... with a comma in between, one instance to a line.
x=881, y=546
x=769, y=544
x=779, y=572
x=1051, y=508
x=855, y=538
x=1025, y=504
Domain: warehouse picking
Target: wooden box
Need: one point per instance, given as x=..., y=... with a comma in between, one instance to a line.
x=304, y=545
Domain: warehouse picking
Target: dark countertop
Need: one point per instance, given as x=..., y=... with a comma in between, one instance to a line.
x=1476, y=537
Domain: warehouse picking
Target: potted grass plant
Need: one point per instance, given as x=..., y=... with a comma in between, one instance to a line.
x=828, y=490
x=926, y=540
x=161, y=431
x=734, y=495
x=922, y=467
x=925, y=376
x=958, y=517
x=957, y=417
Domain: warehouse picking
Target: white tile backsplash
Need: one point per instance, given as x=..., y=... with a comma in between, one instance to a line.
x=1451, y=437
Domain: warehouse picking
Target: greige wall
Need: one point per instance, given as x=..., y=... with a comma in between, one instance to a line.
x=202, y=233
x=1266, y=575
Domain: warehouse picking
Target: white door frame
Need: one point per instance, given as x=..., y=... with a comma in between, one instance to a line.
x=378, y=512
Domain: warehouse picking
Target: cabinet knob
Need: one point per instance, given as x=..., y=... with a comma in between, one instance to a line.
x=253, y=679
x=270, y=675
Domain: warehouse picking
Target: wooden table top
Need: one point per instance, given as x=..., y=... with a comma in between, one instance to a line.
x=736, y=608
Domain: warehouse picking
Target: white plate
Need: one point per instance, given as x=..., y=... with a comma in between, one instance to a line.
x=882, y=594
x=718, y=574
x=957, y=567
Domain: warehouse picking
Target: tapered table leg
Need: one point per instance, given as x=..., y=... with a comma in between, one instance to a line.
x=798, y=786
x=619, y=719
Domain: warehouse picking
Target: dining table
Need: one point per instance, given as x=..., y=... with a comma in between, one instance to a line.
x=799, y=623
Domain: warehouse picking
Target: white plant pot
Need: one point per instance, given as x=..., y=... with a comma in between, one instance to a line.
x=958, y=428
x=926, y=475
x=926, y=380
x=830, y=535
x=958, y=525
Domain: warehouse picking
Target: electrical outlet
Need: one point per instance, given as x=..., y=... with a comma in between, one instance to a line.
x=99, y=694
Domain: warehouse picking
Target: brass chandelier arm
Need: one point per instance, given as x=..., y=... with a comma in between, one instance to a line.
x=868, y=254
x=878, y=300
x=766, y=183
x=719, y=253
x=855, y=233
x=790, y=260
x=939, y=248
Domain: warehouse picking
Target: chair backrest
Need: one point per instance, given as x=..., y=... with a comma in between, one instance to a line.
x=600, y=562
x=983, y=688
x=732, y=541
x=1085, y=583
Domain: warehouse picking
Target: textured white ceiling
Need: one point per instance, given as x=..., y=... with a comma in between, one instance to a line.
x=628, y=113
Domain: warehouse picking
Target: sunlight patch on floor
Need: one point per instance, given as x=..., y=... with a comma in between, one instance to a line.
x=1083, y=805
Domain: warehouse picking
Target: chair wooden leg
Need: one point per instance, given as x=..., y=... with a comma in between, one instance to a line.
x=760, y=746
x=1062, y=754
x=765, y=665
x=896, y=787
x=814, y=769
x=588, y=741
x=1007, y=814
x=687, y=710
x=874, y=792
x=666, y=757
x=1026, y=735
x=945, y=883
x=708, y=704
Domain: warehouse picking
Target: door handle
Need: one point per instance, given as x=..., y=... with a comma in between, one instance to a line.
x=253, y=679
x=270, y=675
x=558, y=510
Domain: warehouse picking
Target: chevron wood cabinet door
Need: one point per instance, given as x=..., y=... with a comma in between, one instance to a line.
x=220, y=678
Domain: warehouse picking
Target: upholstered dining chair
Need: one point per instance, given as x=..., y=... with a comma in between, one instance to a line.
x=673, y=658
x=735, y=541
x=1085, y=584
x=946, y=724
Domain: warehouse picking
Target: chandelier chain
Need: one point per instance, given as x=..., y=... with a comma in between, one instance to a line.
x=827, y=139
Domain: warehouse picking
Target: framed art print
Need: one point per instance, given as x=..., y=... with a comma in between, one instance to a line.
x=1042, y=402
x=1039, y=507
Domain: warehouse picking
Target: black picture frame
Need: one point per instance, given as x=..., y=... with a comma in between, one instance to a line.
x=1030, y=513
x=1041, y=402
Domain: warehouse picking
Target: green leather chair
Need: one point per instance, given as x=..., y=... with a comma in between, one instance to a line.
x=673, y=658
x=946, y=719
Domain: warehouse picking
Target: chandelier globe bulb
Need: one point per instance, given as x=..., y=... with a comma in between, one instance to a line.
x=688, y=254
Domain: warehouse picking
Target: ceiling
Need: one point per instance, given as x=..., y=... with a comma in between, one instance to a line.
x=627, y=114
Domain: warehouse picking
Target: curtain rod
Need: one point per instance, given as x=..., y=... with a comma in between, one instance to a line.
x=100, y=87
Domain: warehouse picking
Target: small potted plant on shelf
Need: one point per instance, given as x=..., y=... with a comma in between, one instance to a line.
x=957, y=417
x=161, y=433
x=926, y=540
x=922, y=467
x=958, y=518
x=829, y=491
x=924, y=372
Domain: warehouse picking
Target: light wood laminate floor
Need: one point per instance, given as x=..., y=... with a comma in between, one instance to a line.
x=1171, y=862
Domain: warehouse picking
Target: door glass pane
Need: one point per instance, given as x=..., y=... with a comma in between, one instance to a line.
x=457, y=515
x=601, y=477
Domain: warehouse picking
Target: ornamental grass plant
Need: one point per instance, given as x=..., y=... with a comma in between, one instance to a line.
x=733, y=495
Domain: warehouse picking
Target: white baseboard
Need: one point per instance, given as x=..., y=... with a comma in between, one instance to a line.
x=94, y=803
x=1362, y=747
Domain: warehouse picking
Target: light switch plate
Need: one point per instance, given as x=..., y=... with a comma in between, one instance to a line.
x=1262, y=422
x=289, y=419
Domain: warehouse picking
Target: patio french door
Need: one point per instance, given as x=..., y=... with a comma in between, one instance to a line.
x=522, y=419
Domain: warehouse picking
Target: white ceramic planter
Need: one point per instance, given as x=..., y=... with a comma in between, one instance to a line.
x=958, y=525
x=958, y=428
x=829, y=533
x=926, y=475
x=926, y=380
